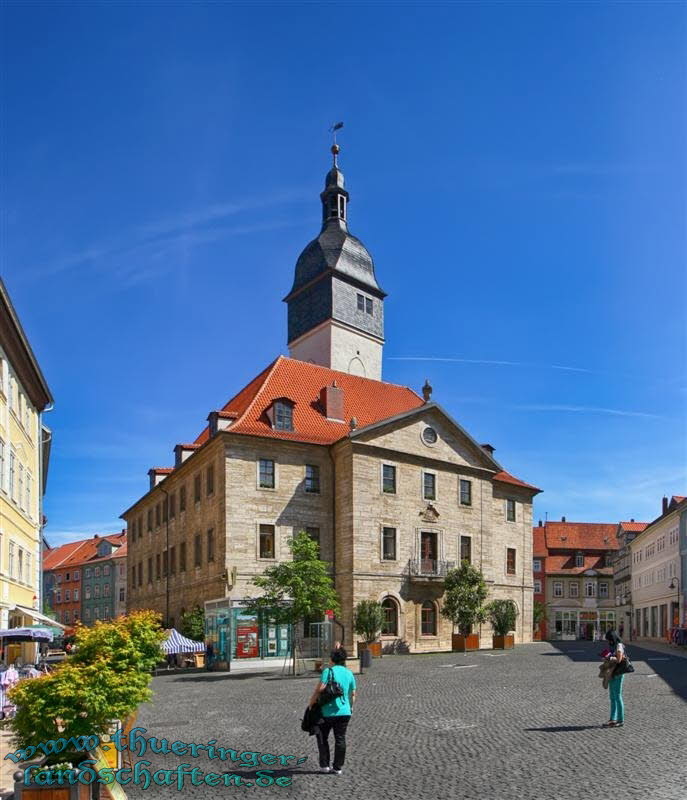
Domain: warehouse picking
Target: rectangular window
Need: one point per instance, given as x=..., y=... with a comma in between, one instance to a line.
x=13, y=466
x=266, y=476
x=165, y=564
x=182, y=499
x=133, y=581
x=590, y=589
x=196, y=489
x=429, y=486
x=76, y=595
x=21, y=564
x=157, y=515
x=150, y=569
x=158, y=564
x=389, y=544
x=20, y=486
x=121, y=595
x=172, y=506
x=150, y=519
x=2, y=463
x=536, y=565
x=67, y=596
x=388, y=479
x=87, y=614
x=465, y=492
x=510, y=561
x=210, y=544
x=537, y=587
x=579, y=560
x=603, y=590
x=66, y=615
x=182, y=557
x=11, y=561
x=106, y=590
x=172, y=560
x=557, y=589
x=96, y=589
x=267, y=549
x=314, y=534
x=58, y=596
x=368, y=306
x=28, y=491
x=312, y=479
x=574, y=589
x=283, y=416
x=76, y=575
x=97, y=572
x=165, y=509
x=210, y=480
x=466, y=549
x=140, y=573
x=361, y=302
x=510, y=510
x=197, y=550
x=106, y=569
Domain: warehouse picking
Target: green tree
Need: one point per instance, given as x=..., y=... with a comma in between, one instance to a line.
x=295, y=589
x=538, y=613
x=369, y=618
x=192, y=624
x=502, y=615
x=465, y=591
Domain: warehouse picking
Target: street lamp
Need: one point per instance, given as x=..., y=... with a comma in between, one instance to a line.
x=675, y=584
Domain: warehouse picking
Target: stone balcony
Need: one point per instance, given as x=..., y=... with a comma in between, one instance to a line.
x=427, y=569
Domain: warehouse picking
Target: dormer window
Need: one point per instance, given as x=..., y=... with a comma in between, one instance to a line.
x=579, y=559
x=280, y=414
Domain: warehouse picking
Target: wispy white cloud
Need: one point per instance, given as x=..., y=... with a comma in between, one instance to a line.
x=488, y=362
x=72, y=533
x=618, y=412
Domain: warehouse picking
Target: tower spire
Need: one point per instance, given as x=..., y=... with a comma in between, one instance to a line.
x=334, y=197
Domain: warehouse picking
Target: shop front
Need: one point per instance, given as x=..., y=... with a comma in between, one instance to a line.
x=573, y=624
x=237, y=635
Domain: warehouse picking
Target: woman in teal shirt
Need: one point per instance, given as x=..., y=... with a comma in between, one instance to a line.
x=337, y=713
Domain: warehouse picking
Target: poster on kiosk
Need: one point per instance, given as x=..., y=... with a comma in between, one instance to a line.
x=247, y=636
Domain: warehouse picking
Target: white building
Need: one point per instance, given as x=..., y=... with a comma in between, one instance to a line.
x=655, y=565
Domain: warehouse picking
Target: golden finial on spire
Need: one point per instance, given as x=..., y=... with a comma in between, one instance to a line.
x=335, y=147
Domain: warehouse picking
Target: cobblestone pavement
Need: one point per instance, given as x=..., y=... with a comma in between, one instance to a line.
x=520, y=724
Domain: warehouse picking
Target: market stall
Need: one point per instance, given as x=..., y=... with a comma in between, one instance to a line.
x=177, y=645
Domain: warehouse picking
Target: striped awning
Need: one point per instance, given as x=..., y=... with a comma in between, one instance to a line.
x=176, y=643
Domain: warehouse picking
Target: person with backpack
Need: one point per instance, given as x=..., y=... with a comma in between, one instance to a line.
x=335, y=693
x=617, y=656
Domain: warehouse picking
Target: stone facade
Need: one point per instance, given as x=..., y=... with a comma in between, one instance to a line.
x=347, y=514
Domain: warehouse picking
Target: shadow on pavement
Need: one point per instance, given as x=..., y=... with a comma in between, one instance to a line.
x=673, y=669
x=564, y=728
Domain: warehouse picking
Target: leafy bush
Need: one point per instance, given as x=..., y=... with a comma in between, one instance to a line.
x=192, y=624
x=502, y=615
x=106, y=679
x=465, y=591
x=538, y=613
x=369, y=618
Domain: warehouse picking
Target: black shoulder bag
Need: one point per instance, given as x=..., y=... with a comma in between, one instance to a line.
x=332, y=689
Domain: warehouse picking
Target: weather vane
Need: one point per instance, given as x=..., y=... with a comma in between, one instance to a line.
x=335, y=147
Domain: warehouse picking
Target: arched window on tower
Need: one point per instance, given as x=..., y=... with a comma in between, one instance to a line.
x=334, y=205
x=342, y=206
x=390, y=623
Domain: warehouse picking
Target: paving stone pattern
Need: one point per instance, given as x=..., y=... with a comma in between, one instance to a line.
x=525, y=725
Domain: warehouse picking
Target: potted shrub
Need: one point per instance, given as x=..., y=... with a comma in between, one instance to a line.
x=538, y=616
x=465, y=591
x=369, y=618
x=502, y=615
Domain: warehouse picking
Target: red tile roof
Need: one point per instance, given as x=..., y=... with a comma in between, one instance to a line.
x=581, y=536
x=539, y=542
x=367, y=400
x=505, y=477
x=162, y=470
x=56, y=557
x=75, y=553
x=633, y=527
x=565, y=565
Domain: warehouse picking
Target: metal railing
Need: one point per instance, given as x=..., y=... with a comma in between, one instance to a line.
x=429, y=567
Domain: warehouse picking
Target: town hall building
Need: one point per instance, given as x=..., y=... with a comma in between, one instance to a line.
x=392, y=488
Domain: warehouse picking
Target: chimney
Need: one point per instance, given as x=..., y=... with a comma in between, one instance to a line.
x=665, y=504
x=562, y=519
x=332, y=402
x=427, y=391
x=488, y=448
x=540, y=523
x=632, y=519
x=353, y=423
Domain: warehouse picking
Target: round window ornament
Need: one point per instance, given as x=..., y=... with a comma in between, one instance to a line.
x=429, y=436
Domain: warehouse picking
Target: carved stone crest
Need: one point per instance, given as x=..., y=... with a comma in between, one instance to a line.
x=429, y=514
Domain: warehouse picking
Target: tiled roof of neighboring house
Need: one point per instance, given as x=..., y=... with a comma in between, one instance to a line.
x=633, y=527
x=162, y=470
x=506, y=477
x=539, y=542
x=678, y=498
x=75, y=553
x=565, y=565
x=581, y=536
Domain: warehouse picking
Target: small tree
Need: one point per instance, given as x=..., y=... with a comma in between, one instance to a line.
x=369, y=618
x=296, y=589
x=192, y=624
x=502, y=615
x=538, y=613
x=465, y=591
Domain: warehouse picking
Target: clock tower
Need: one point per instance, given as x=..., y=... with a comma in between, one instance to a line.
x=336, y=306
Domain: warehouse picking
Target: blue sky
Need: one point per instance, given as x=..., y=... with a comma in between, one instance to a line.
x=518, y=172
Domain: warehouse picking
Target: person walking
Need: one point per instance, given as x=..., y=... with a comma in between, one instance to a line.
x=336, y=713
x=615, y=685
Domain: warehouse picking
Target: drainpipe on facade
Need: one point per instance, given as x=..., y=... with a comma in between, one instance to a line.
x=41, y=467
x=331, y=458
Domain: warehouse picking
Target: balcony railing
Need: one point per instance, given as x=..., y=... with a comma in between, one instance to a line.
x=429, y=568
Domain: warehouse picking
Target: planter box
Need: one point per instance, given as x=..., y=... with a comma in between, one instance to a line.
x=504, y=642
x=375, y=648
x=464, y=644
x=31, y=791
x=536, y=636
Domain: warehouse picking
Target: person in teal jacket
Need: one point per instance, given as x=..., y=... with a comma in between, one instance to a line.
x=337, y=713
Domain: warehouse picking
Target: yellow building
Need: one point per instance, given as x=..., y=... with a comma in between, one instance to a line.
x=24, y=450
